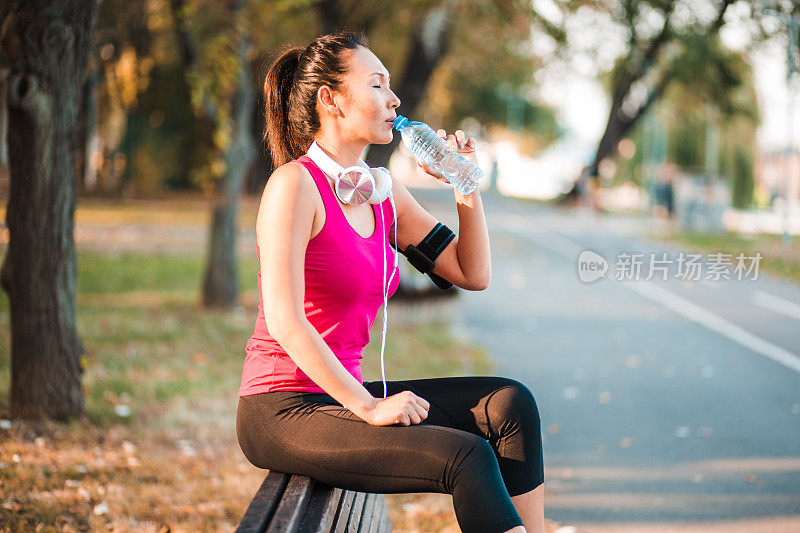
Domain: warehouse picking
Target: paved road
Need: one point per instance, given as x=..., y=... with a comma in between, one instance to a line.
x=663, y=403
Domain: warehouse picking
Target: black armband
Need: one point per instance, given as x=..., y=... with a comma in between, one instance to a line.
x=423, y=256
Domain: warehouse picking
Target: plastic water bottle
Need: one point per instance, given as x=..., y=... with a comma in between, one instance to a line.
x=432, y=150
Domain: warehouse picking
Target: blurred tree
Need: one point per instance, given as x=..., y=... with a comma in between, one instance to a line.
x=681, y=45
x=651, y=62
x=45, y=45
x=469, y=49
x=742, y=190
x=143, y=44
x=123, y=60
x=713, y=89
x=217, y=71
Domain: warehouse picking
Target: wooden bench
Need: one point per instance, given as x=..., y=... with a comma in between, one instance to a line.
x=291, y=503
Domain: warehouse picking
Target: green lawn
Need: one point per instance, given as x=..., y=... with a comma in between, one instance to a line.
x=158, y=446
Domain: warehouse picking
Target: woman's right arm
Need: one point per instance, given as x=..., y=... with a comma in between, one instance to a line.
x=283, y=229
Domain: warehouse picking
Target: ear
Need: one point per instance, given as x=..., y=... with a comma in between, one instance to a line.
x=328, y=100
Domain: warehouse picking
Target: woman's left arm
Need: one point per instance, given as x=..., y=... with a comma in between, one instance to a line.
x=466, y=261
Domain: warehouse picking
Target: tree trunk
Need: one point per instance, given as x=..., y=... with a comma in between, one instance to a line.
x=220, y=285
x=47, y=45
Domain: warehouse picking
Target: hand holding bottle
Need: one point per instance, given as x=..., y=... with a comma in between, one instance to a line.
x=404, y=408
x=455, y=143
x=442, y=157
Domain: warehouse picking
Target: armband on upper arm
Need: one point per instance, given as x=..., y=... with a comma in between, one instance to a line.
x=423, y=255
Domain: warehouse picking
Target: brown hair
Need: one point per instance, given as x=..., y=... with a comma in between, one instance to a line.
x=290, y=91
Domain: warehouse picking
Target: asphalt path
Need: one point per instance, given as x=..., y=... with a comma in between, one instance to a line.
x=667, y=403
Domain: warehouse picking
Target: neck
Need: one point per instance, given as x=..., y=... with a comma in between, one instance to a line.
x=343, y=152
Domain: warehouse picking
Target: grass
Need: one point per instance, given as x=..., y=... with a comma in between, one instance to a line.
x=777, y=259
x=187, y=209
x=172, y=463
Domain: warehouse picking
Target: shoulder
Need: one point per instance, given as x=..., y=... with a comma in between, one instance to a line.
x=291, y=175
x=291, y=182
x=290, y=192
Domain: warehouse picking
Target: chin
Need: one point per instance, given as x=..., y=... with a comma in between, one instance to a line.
x=385, y=138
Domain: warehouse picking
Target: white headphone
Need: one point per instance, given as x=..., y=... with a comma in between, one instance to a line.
x=356, y=185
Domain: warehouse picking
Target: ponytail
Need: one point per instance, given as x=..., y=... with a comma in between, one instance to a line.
x=290, y=91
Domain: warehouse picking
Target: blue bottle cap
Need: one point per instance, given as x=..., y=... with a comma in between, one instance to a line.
x=399, y=122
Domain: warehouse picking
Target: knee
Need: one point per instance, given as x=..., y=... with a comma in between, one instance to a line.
x=514, y=402
x=473, y=457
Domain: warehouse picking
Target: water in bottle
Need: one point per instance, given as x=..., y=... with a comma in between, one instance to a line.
x=432, y=150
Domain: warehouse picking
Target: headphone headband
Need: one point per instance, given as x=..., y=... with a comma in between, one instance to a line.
x=356, y=184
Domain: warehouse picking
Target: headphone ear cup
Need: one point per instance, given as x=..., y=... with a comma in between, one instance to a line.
x=383, y=183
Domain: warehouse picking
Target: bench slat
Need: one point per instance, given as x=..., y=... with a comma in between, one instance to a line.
x=265, y=501
x=340, y=522
x=322, y=508
x=292, y=506
x=366, y=514
x=286, y=503
x=377, y=515
x=355, y=512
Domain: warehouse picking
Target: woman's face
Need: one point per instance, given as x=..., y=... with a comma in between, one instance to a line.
x=367, y=104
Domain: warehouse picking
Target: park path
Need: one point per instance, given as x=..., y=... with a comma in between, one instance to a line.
x=666, y=405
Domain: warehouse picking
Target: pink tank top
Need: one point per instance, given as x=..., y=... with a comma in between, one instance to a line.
x=343, y=292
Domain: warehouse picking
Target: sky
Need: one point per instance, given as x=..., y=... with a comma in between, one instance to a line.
x=582, y=104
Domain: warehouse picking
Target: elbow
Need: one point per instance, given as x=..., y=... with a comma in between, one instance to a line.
x=476, y=283
x=281, y=326
x=483, y=282
x=479, y=285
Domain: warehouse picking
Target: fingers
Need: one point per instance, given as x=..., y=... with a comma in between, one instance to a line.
x=407, y=419
x=421, y=412
x=457, y=141
x=424, y=403
x=432, y=172
x=414, y=411
x=418, y=409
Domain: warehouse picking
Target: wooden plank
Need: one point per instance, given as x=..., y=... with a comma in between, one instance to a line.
x=292, y=506
x=377, y=514
x=366, y=513
x=263, y=505
x=322, y=508
x=355, y=512
x=343, y=514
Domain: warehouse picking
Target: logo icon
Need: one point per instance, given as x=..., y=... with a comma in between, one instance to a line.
x=591, y=266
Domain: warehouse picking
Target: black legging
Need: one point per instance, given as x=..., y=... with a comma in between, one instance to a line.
x=481, y=442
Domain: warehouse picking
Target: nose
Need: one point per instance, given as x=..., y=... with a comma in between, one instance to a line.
x=395, y=101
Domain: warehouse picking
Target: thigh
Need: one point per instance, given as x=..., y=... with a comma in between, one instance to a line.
x=500, y=410
x=477, y=404
x=312, y=434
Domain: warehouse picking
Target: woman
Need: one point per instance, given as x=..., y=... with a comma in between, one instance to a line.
x=303, y=406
